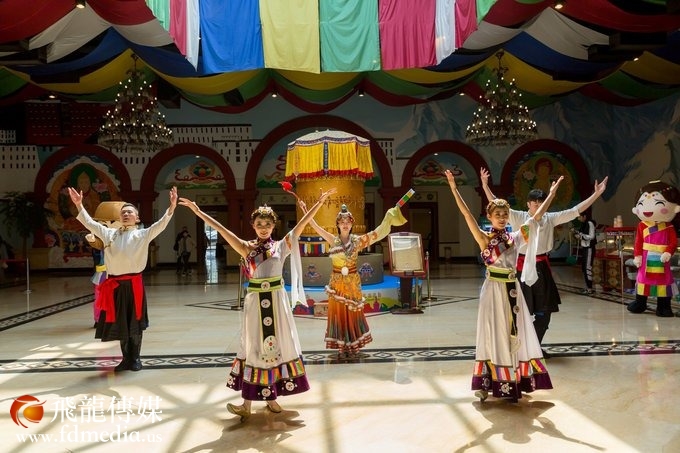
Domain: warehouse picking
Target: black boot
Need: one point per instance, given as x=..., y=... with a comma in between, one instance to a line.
x=124, y=365
x=663, y=307
x=639, y=305
x=135, y=350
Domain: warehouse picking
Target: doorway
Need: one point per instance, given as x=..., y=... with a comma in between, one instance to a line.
x=423, y=219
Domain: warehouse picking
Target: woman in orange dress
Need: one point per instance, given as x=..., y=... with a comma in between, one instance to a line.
x=347, y=329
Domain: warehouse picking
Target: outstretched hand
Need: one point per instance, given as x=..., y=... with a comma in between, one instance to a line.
x=189, y=204
x=76, y=196
x=601, y=187
x=173, y=197
x=303, y=205
x=326, y=194
x=555, y=185
x=484, y=176
x=322, y=197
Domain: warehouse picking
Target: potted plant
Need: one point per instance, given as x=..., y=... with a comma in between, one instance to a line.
x=23, y=216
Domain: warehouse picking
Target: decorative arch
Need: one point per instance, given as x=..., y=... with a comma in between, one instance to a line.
x=48, y=167
x=441, y=146
x=156, y=164
x=321, y=121
x=147, y=194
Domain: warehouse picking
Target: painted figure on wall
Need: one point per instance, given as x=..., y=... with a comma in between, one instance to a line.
x=537, y=172
x=97, y=186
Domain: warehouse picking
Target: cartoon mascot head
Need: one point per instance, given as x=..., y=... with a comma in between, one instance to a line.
x=657, y=202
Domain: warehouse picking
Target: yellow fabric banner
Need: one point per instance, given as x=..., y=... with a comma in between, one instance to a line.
x=290, y=34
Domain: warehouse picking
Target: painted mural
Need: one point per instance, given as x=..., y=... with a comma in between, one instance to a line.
x=65, y=236
x=430, y=171
x=537, y=170
x=187, y=172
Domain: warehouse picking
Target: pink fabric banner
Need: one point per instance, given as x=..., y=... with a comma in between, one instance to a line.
x=178, y=24
x=466, y=20
x=407, y=33
x=185, y=28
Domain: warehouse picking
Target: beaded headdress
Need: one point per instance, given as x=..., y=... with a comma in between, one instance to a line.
x=263, y=211
x=496, y=204
x=344, y=214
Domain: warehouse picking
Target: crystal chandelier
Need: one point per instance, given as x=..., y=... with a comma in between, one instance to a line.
x=135, y=124
x=501, y=118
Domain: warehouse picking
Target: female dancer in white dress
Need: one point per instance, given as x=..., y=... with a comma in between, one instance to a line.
x=269, y=362
x=508, y=357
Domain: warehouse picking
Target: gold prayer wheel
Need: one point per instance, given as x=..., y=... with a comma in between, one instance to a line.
x=350, y=192
x=324, y=159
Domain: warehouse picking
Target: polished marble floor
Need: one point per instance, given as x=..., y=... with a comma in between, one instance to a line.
x=615, y=376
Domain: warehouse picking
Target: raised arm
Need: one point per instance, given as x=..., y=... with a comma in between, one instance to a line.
x=546, y=203
x=481, y=238
x=309, y=216
x=484, y=177
x=238, y=244
x=83, y=216
x=598, y=190
x=328, y=237
x=173, y=200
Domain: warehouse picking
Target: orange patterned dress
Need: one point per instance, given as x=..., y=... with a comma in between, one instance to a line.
x=347, y=329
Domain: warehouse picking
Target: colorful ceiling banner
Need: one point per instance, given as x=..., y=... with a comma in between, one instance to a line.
x=290, y=34
x=349, y=36
x=231, y=34
x=320, y=53
x=406, y=33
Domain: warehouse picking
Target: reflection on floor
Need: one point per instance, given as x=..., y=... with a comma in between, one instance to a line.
x=614, y=373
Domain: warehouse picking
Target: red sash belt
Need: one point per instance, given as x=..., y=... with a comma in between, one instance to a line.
x=105, y=300
x=541, y=257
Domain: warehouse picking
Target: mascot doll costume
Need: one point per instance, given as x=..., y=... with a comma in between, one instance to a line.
x=655, y=242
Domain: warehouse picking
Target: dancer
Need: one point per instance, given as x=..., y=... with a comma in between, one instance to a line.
x=543, y=298
x=347, y=328
x=269, y=361
x=122, y=300
x=508, y=357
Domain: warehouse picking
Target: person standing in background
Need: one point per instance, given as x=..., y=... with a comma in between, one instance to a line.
x=587, y=237
x=185, y=244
